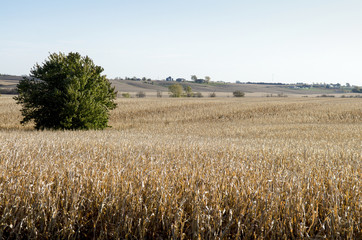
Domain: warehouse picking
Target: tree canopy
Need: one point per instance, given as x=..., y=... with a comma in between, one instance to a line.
x=175, y=90
x=66, y=92
x=238, y=93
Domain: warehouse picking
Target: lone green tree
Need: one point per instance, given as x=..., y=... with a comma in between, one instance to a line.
x=175, y=90
x=188, y=91
x=238, y=93
x=207, y=79
x=194, y=78
x=66, y=92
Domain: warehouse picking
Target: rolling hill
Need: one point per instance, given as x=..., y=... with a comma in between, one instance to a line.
x=8, y=82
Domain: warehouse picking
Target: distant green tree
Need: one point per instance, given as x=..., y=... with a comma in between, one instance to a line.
x=188, y=91
x=207, y=79
x=66, y=92
x=175, y=90
x=194, y=78
x=126, y=95
x=238, y=93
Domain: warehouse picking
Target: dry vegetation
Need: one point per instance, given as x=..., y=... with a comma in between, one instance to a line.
x=188, y=168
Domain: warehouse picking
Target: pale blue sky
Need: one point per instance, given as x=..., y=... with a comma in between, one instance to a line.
x=294, y=41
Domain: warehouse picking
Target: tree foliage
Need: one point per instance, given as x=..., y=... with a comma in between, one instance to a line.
x=356, y=89
x=188, y=91
x=238, y=93
x=207, y=79
x=66, y=92
x=175, y=90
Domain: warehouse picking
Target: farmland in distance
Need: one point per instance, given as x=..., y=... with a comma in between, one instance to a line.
x=264, y=168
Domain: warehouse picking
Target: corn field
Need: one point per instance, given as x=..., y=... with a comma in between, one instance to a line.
x=251, y=168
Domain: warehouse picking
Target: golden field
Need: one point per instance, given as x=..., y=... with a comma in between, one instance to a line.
x=224, y=168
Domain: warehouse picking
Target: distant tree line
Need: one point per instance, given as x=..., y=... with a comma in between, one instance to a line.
x=357, y=90
x=133, y=79
x=302, y=85
x=194, y=78
x=176, y=91
x=260, y=83
x=206, y=79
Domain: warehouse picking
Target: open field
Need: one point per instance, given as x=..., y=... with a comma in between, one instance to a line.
x=263, y=168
